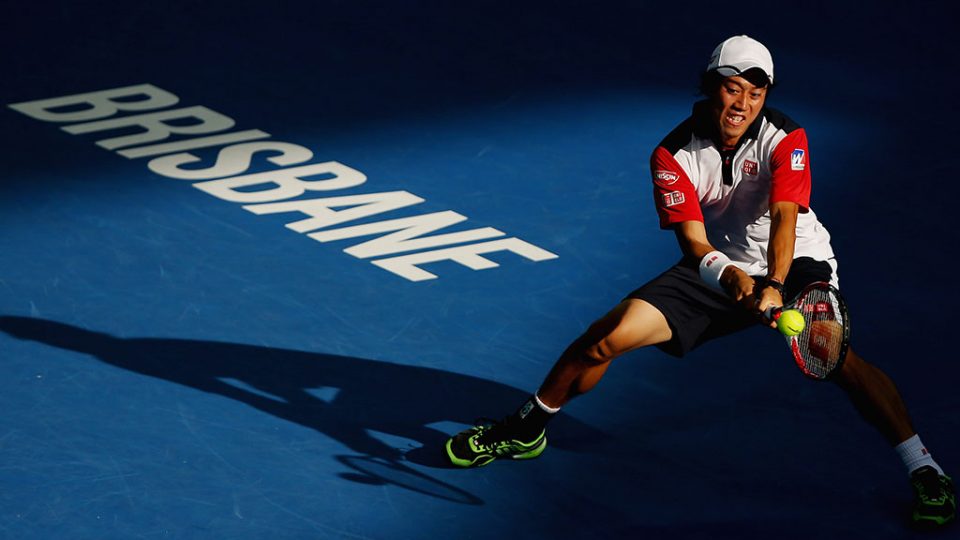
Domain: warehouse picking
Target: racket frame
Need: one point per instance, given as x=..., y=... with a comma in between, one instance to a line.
x=845, y=341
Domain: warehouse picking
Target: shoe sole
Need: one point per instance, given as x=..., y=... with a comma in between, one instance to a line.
x=931, y=522
x=480, y=461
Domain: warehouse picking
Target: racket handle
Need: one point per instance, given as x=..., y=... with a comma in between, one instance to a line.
x=772, y=313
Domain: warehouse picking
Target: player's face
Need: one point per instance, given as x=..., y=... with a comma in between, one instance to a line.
x=736, y=106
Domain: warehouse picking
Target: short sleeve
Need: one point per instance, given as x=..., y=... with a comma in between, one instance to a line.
x=790, y=170
x=673, y=192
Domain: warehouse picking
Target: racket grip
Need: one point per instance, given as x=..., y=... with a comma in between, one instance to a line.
x=772, y=313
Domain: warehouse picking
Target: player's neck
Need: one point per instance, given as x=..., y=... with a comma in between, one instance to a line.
x=729, y=143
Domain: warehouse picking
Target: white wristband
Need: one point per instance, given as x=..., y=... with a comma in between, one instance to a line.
x=712, y=266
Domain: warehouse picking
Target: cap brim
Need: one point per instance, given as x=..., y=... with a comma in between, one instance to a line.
x=730, y=71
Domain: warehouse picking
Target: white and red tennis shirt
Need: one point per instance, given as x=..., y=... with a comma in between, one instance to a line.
x=730, y=190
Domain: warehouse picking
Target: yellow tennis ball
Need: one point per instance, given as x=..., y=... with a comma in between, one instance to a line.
x=790, y=322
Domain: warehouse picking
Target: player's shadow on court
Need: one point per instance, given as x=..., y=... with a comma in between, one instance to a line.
x=341, y=397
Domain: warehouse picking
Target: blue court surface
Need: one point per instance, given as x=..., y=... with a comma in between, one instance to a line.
x=191, y=349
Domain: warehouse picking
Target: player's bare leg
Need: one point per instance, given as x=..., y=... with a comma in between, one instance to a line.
x=876, y=398
x=631, y=325
x=879, y=402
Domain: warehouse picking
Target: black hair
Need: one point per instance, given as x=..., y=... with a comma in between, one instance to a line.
x=710, y=81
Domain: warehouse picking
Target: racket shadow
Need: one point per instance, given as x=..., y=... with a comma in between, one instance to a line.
x=369, y=396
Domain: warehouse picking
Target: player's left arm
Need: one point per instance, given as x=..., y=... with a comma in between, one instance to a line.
x=783, y=239
x=789, y=196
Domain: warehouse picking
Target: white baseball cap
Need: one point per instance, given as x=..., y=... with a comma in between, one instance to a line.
x=738, y=54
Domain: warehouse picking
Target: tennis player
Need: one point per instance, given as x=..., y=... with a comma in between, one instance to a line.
x=733, y=183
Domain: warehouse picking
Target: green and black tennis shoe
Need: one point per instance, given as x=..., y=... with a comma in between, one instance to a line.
x=482, y=444
x=936, y=500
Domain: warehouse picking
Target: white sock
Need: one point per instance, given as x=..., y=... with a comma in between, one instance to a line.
x=542, y=405
x=915, y=455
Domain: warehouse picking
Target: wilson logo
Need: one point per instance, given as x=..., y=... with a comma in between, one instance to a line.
x=666, y=178
x=797, y=160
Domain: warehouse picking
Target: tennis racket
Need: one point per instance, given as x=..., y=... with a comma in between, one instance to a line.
x=819, y=349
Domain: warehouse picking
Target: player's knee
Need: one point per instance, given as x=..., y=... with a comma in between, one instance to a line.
x=599, y=344
x=852, y=368
x=611, y=336
x=601, y=352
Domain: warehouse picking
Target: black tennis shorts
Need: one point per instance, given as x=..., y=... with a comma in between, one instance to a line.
x=697, y=312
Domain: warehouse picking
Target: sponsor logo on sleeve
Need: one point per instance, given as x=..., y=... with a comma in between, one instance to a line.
x=666, y=178
x=673, y=198
x=751, y=167
x=798, y=160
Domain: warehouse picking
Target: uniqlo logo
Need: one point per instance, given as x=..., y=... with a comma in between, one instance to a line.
x=673, y=198
x=750, y=167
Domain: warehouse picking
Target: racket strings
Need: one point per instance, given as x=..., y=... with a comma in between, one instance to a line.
x=819, y=345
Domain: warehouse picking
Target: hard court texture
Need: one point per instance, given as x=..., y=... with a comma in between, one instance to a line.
x=177, y=364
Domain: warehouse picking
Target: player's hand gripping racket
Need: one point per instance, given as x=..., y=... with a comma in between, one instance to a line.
x=817, y=328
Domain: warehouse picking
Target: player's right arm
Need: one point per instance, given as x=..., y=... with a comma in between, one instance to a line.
x=679, y=209
x=692, y=237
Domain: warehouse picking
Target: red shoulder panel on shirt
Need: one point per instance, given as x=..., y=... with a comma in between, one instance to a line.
x=790, y=169
x=673, y=192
